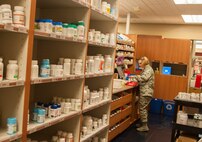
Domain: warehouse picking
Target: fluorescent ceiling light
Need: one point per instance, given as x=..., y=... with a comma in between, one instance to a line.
x=188, y=1
x=192, y=18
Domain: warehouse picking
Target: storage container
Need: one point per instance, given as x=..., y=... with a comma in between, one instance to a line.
x=168, y=108
x=156, y=106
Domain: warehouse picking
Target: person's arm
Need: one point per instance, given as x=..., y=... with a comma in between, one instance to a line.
x=144, y=77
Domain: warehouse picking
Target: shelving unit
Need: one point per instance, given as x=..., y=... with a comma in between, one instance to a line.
x=29, y=44
x=123, y=110
x=192, y=125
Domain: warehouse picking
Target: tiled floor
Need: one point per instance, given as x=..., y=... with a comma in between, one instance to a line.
x=160, y=131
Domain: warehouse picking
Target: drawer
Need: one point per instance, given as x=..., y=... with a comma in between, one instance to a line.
x=121, y=102
x=119, y=116
x=123, y=126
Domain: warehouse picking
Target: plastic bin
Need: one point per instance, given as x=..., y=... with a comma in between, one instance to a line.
x=156, y=106
x=168, y=108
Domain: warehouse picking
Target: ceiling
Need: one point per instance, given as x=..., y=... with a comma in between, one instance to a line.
x=156, y=11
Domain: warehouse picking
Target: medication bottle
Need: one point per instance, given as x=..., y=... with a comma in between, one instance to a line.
x=57, y=28
x=108, y=8
x=70, y=137
x=91, y=66
x=35, y=69
x=84, y=131
x=52, y=70
x=70, y=32
x=59, y=71
x=11, y=126
x=67, y=108
x=1, y=69
x=48, y=25
x=106, y=93
x=35, y=113
x=97, y=36
x=6, y=14
x=81, y=30
x=54, y=139
x=19, y=16
x=41, y=116
x=104, y=6
x=67, y=66
x=108, y=63
x=90, y=36
x=73, y=62
x=78, y=67
x=61, y=140
x=77, y=105
x=102, y=61
x=53, y=111
x=112, y=39
x=104, y=119
x=12, y=70
x=74, y=31
x=96, y=64
x=41, y=25
x=65, y=29
x=45, y=68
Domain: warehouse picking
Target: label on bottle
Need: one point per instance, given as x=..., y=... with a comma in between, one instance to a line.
x=45, y=72
x=19, y=19
x=12, y=129
x=6, y=16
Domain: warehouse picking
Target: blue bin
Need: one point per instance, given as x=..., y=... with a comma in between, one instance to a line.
x=168, y=108
x=156, y=106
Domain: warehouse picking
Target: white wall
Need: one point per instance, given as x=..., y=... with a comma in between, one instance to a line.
x=166, y=30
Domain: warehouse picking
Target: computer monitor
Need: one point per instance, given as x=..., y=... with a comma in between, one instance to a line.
x=166, y=70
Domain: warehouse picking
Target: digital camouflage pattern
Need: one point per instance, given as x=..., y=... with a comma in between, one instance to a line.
x=146, y=81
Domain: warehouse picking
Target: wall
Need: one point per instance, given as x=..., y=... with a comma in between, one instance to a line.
x=166, y=30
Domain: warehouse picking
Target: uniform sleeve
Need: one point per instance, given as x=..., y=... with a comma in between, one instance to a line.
x=144, y=77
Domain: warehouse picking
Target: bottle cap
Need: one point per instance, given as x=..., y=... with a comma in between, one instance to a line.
x=1, y=59
x=41, y=112
x=34, y=62
x=79, y=61
x=11, y=121
x=12, y=61
x=8, y=6
x=67, y=60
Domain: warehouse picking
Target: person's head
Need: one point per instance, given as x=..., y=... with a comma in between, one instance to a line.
x=143, y=61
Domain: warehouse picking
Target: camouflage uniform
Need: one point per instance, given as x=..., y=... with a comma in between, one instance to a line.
x=146, y=84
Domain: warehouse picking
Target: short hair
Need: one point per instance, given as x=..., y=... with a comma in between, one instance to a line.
x=145, y=60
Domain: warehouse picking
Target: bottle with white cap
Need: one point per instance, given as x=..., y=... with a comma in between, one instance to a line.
x=1, y=69
x=70, y=137
x=12, y=70
x=78, y=67
x=67, y=66
x=35, y=69
x=97, y=64
x=6, y=14
x=19, y=16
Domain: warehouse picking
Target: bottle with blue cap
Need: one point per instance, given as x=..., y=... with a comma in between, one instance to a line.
x=12, y=126
x=48, y=24
x=41, y=116
x=45, y=68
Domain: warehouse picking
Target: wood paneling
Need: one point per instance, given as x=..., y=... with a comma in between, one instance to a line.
x=168, y=86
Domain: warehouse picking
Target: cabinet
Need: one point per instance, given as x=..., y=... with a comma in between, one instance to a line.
x=26, y=44
x=192, y=125
x=123, y=110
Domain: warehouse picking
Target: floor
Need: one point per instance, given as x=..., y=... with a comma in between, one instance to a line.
x=160, y=130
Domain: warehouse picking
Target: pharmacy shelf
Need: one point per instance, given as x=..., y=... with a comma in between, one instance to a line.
x=126, y=50
x=11, y=28
x=10, y=83
x=94, y=106
x=55, y=37
x=62, y=3
x=125, y=42
x=41, y=80
x=124, y=88
x=4, y=137
x=34, y=127
x=97, y=14
x=100, y=45
x=99, y=130
x=98, y=75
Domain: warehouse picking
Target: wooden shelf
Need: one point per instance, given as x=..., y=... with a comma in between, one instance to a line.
x=101, y=45
x=47, y=36
x=120, y=116
x=99, y=130
x=94, y=106
x=11, y=28
x=4, y=137
x=62, y=4
x=124, y=88
x=122, y=126
x=56, y=79
x=97, y=14
x=98, y=74
x=121, y=101
x=34, y=127
x=9, y=83
x=125, y=50
x=125, y=42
